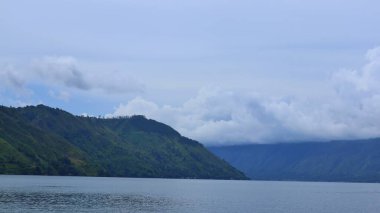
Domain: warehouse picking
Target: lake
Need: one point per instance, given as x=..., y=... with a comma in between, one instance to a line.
x=98, y=194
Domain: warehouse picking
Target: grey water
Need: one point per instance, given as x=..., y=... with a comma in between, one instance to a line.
x=98, y=194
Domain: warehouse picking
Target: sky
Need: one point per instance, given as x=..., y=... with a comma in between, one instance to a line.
x=218, y=71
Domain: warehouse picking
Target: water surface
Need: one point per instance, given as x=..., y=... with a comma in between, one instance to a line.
x=95, y=194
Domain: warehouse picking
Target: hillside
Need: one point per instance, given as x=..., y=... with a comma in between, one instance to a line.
x=45, y=141
x=352, y=161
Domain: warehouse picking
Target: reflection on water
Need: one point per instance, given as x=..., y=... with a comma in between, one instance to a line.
x=47, y=201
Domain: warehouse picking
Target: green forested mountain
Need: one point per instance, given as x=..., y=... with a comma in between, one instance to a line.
x=46, y=141
x=354, y=161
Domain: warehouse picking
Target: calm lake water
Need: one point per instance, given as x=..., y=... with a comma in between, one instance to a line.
x=92, y=194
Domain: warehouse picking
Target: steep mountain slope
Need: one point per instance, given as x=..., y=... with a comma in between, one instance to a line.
x=357, y=161
x=43, y=140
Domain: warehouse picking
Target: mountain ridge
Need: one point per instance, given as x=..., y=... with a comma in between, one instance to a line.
x=338, y=160
x=46, y=141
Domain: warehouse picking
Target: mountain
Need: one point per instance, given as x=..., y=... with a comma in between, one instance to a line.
x=45, y=141
x=349, y=161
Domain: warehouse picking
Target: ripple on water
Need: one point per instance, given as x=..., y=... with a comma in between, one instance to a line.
x=82, y=202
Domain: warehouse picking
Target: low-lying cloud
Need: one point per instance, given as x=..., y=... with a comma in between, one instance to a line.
x=217, y=116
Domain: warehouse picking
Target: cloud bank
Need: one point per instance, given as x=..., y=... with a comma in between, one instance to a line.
x=217, y=116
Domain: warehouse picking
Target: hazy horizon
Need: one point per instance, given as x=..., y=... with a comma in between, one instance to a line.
x=220, y=72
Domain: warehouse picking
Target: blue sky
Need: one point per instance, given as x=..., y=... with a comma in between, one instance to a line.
x=221, y=72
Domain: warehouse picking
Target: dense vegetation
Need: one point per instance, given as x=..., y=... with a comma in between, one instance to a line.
x=356, y=161
x=45, y=141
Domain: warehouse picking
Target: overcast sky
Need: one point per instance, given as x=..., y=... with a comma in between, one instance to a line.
x=218, y=71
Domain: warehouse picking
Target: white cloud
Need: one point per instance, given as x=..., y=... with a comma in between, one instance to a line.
x=364, y=80
x=66, y=72
x=218, y=116
x=61, y=70
x=13, y=81
x=214, y=116
x=10, y=77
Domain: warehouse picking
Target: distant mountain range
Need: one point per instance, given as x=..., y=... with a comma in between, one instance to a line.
x=44, y=141
x=351, y=161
